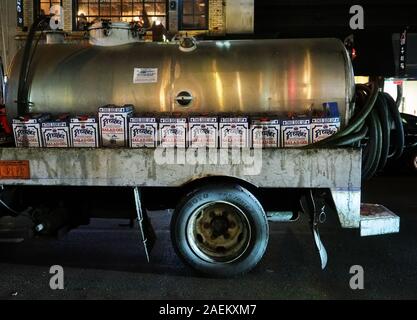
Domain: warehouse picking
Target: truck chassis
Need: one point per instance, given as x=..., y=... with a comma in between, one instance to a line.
x=336, y=171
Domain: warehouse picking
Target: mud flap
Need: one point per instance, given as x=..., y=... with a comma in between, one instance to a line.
x=145, y=226
x=314, y=207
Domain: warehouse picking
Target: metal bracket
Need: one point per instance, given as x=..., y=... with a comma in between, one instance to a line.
x=315, y=209
x=145, y=226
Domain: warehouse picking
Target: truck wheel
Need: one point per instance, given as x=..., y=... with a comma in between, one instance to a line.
x=220, y=230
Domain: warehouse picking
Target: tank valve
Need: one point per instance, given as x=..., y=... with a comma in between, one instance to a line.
x=107, y=28
x=184, y=98
x=188, y=44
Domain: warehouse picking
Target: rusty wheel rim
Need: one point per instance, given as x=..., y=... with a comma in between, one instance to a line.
x=219, y=232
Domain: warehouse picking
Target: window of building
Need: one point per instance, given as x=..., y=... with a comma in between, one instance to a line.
x=43, y=7
x=88, y=11
x=194, y=15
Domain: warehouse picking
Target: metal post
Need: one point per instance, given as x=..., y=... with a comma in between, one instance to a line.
x=146, y=230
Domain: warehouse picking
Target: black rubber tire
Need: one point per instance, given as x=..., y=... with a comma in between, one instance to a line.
x=237, y=196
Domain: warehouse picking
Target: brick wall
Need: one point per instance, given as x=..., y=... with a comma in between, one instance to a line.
x=217, y=23
x=28, y=12
x=67, y=5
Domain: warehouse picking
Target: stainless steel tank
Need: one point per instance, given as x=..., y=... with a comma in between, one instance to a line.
x=245, y=76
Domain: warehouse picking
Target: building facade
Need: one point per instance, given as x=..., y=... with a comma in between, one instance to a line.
x=175, y=15
x=197, y=16
x=194, y=17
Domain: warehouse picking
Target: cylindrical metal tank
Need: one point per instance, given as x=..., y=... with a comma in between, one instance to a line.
x=244, y=76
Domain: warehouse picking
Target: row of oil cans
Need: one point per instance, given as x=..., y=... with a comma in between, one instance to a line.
x=41, y=130
x=118, y=127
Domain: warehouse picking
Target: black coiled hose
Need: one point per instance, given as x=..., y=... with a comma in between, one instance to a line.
x=397, y=147
x=376, y=126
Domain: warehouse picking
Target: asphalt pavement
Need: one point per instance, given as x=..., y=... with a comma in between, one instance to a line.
x=105, y=260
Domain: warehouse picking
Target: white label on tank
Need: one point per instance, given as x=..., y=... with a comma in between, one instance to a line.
x=145, y=75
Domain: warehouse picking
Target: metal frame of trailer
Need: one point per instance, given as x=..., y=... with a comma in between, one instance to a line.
x=338, y=170
x=335, y=170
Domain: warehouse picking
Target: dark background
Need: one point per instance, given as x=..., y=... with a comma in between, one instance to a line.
x=324, y=18
x=321, y=17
